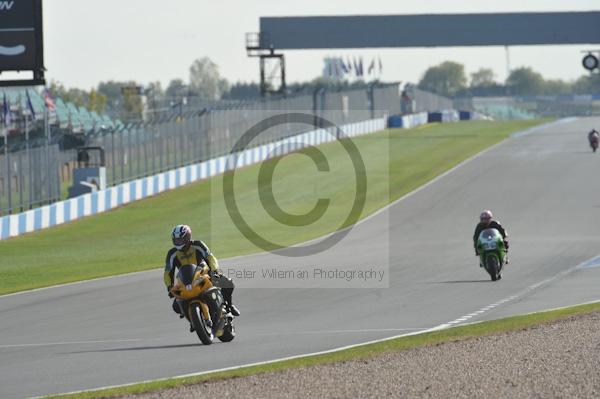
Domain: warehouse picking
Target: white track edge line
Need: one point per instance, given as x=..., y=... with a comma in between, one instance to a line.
x=526, y=291
x=433, y=329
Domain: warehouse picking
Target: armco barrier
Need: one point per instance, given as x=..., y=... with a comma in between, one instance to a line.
x=443, y=116
x=101, y=201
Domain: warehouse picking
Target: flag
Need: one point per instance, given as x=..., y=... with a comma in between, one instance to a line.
x=5, y=111
x=49, y=101
x=356, y=67
x=371, y=66
x=360, y=67
x=344, y=66
x=30, y=105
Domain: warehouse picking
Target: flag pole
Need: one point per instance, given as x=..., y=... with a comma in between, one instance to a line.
x=47, y=131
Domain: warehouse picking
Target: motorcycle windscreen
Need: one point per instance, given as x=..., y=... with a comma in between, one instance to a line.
x=490, y=235
x=186, y=274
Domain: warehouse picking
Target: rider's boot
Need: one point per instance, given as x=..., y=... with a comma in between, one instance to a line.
x=233, y=310
x=177, y=310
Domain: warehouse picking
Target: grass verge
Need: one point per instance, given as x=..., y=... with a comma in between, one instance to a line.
x=137, y=236
x=482, y=329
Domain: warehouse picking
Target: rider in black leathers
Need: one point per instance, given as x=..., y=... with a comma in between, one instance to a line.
x=486, y=221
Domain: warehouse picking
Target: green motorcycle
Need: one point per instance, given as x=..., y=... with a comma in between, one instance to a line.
x=492, y=252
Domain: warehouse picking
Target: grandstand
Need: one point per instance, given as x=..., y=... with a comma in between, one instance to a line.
x=66, y=119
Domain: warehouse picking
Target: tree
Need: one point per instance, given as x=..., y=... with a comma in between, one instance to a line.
x=587, y=84
x=155, y=96
x=242, y=91
x=176, y=88
x=112, y=91
x=76, y=96
x=445, y=79
x=205, y=80
x=483, y=77
x=525, y=81
x=96, y=102
x=557, y=86
x=154, y=89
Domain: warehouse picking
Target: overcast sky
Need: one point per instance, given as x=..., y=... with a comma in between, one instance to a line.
x=146, y=40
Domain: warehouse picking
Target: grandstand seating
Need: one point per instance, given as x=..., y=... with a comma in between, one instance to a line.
x=66, y=115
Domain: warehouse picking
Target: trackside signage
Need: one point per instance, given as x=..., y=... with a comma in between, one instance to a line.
x=20, y=35
x=6, y=5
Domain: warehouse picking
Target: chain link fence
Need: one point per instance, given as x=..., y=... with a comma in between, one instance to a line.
x=29, y=178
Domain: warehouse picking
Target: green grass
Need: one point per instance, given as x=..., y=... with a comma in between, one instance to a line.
x=137, y=236
x=360, y=352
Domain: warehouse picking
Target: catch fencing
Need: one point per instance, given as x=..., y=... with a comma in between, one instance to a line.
x=144, y=149
x=148, y=149
x=29, y=178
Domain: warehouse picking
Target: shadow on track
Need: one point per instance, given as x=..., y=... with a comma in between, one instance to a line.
x=139, y=348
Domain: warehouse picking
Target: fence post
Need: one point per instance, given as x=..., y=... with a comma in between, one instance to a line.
x=112, y=157
x=7, y=157
x=21, y=183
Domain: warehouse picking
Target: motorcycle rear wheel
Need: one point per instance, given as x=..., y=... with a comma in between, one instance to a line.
x=197, y=317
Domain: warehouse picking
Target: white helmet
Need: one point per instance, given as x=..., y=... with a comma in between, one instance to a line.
x=181, y=235
x=486, y=216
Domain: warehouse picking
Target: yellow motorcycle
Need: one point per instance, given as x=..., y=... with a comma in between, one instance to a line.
x=203, y=304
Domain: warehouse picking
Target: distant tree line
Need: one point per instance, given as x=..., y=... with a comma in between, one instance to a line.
x=206, y=84
x=449, y=79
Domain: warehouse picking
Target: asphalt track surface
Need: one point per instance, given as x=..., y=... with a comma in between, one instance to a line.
x=542, y=186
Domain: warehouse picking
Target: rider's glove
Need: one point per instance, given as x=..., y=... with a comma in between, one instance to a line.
x=216, y=273
x=506, y=244
x=169, y=293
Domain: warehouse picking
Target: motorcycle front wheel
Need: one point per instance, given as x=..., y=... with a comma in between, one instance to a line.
x=197, y=318
x=228, y=333
x=492, y=265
